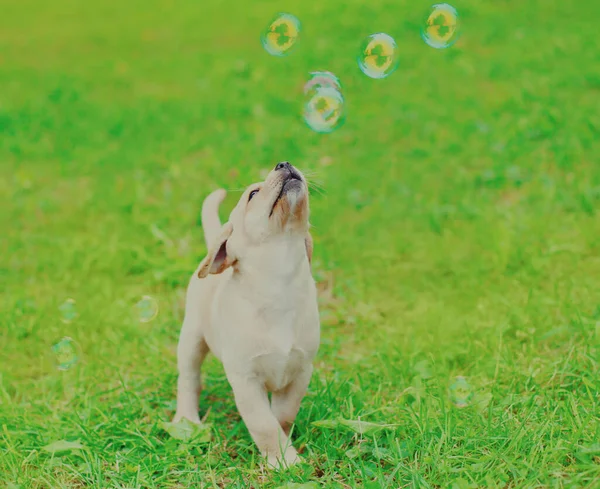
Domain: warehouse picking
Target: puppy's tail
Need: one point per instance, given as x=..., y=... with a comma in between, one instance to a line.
x=210, y=216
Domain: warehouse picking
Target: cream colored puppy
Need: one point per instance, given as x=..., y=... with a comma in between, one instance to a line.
x=252, y=302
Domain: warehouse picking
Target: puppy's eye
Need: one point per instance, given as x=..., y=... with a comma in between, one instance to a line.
x=252, y=194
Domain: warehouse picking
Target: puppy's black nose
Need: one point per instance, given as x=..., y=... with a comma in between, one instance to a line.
x=282, y=165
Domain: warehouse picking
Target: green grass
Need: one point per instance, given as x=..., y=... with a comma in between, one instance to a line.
x=457, y=235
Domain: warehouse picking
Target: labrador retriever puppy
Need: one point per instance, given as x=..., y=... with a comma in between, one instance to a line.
x=252, y=302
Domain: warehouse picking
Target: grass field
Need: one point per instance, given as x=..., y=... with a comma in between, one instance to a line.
x=457, y=235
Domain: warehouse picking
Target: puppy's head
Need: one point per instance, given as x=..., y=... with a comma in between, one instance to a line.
x=266, y=211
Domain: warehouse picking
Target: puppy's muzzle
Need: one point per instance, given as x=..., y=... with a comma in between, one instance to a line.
x=290, y=180
x=292, y=173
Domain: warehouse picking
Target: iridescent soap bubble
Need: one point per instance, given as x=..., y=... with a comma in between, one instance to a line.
x=68, y=311
x=281, y=35
x=378, y=56
x=441, y=28
x=321, y=79
x=66, y=353
x=324, y=109
x=147, y=309
x=461, y=392
x=323, y=102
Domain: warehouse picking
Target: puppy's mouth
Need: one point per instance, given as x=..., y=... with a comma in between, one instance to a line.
x=293, y=181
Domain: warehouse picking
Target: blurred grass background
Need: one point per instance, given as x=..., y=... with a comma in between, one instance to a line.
x=457, y=235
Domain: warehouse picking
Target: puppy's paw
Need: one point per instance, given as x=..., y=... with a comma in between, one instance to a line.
x=190, y=417
x=282, y=461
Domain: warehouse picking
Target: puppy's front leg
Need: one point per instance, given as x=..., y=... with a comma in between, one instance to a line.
x=191, y=351
x=285, y=403
x=253, y=404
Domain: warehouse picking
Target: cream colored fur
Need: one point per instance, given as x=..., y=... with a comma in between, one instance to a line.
x=252, y=302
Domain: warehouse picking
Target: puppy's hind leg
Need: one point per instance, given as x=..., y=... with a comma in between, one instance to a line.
x=191, y=351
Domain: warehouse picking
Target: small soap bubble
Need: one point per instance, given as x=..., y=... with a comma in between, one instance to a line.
x=68, y=311
x=281, y=35
x=378, y=56
x=324, y=108
x=461, y=392
x=147, y=309
x=324, y=102
x=321, y=79
x=66, y=353
x=441, y=28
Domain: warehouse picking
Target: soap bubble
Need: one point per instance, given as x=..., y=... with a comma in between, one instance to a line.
x=378, y=56
x=281, y=36
x=441, y=28
x=324, y=103
x=322, y=79
x=324, y=108
x=68, y=311
x=461, y=392
x=147, y=309
x=66, y=353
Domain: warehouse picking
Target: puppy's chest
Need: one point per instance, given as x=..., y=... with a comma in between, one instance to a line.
x=281, y=357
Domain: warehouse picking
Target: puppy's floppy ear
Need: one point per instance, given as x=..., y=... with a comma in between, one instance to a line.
x=217, y=259
x=308, y=242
